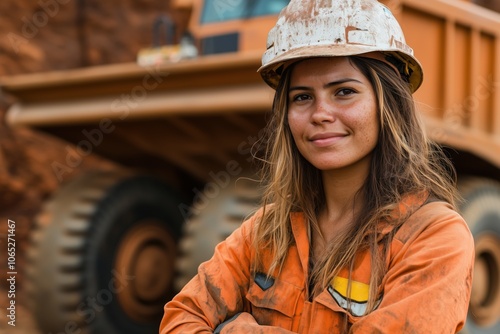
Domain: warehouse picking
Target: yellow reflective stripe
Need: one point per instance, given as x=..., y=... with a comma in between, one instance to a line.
x=359, y=291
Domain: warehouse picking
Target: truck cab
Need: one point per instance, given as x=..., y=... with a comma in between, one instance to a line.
x=223, y=26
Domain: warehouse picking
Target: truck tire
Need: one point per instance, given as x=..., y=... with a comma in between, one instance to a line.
x=481, y=210
x=213, y=219
x=102, y=256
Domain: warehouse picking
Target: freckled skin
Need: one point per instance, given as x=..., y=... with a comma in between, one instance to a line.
x=320, y=103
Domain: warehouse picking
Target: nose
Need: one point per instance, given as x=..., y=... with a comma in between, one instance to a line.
x=323, y=112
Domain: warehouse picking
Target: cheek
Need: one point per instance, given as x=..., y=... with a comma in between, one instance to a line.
x=369, y=125
x=297, y=128
x=374, y=128
x=294, y=123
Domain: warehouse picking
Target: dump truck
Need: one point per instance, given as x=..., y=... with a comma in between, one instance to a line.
x=112, y=246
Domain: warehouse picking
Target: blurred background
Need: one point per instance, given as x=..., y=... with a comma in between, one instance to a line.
x=40, y=36
x=125, y=124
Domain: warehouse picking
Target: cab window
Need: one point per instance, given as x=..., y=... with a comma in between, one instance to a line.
x=226, y=10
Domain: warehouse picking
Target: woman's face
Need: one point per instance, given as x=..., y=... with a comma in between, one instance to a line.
x=332, y=113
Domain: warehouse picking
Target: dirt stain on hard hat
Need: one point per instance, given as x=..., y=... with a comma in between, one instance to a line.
x=348, y=29
x=303, y=10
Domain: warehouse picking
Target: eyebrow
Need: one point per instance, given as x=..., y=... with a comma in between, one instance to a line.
x=330, y=84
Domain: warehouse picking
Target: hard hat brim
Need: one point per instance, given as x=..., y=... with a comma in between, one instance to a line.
x=271, y=71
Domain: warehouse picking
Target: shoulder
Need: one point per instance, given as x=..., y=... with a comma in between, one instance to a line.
x=249, y=225
x=435, y=220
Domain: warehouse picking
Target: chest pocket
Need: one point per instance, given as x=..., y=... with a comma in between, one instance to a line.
x=353, y=298
x=273, y=301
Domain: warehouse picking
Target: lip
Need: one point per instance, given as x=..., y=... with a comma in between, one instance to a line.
x=326, y=139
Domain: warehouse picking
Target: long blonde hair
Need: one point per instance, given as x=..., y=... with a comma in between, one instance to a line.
x=404, y=162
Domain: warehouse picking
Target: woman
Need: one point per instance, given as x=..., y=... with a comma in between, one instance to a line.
x=358, y=231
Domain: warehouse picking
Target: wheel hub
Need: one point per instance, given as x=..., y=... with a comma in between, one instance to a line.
x=147, y=253
x=485, y=300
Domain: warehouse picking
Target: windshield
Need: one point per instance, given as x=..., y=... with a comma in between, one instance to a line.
x=226, y=10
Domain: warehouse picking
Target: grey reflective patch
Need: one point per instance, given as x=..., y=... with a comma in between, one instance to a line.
x=263, y=281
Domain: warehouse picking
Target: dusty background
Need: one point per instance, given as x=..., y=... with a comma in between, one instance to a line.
x=45, y=35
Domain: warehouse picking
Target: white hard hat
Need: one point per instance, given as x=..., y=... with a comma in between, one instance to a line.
x=326, y=28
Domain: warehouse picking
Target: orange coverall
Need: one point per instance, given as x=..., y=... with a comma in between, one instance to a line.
x=426, y=289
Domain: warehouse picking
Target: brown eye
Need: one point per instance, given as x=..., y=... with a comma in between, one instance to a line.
x=345, y=92
x=301, y=97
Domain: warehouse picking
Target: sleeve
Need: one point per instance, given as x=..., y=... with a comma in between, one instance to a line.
x=245, y=323
x=215, y=297
x=216, y=292
x=428, y=283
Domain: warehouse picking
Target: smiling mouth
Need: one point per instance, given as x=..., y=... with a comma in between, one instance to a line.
x=326, y=139
x=326, y=136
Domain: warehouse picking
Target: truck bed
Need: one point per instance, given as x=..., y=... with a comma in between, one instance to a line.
x=195, y=114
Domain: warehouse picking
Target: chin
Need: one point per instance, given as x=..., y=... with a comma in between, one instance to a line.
x=325, y=166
